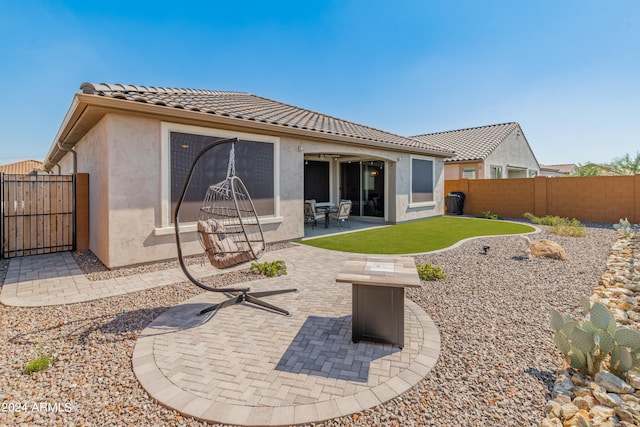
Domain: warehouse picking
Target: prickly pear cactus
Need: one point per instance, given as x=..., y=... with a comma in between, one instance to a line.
x=587, y=347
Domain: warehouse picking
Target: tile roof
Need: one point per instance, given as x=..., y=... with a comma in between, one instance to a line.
x=245, y=106
x=472, y=143
x=24, y=167
x=562, y=168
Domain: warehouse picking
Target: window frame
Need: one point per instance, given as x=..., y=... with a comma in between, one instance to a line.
x=329, y=183
x=166, y=226
x=469, y=170
x=413, y=204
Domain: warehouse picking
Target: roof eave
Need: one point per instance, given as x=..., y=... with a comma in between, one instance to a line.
x=63, y=143
x=58, y=149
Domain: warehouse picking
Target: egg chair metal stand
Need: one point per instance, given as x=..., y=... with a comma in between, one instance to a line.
x=228, y=230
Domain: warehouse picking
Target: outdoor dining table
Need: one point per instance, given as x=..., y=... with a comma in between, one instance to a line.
x=378, y=296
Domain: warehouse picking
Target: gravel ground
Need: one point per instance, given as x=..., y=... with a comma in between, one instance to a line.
x=496, y=366
x=94, y=269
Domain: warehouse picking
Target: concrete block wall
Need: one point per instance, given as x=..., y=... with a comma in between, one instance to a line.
x=592, y=199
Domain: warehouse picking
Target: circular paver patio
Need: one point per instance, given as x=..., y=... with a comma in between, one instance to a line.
x=250, y=366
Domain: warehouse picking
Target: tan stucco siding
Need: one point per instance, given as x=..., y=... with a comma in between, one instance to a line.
x=455, y=170
x=127, y=164
x=93, y=158
x=291, y=188
x=514, y=151
x=404, y=210
x=134, y=191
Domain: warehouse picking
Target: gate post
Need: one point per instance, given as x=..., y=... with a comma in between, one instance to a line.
x=82, y=211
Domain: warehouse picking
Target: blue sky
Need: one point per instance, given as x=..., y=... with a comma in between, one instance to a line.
x=567, y=70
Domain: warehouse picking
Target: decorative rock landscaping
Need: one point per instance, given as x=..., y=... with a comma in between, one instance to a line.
x=496, y=366
x=606, y=400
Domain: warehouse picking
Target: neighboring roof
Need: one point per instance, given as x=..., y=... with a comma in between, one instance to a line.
x=565, y=169
x=472, y=143
x=24, y=167
x=254, y=108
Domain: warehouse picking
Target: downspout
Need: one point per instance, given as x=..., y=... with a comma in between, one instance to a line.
x=75, y=158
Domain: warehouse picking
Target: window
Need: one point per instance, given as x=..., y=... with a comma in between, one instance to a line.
x=422, y=180
x=533, y=174
x=254, y=163
x=496, y=172
x=316, y=181
x=469, y=173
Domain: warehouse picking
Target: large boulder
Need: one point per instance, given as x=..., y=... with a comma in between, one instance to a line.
x=547, y=248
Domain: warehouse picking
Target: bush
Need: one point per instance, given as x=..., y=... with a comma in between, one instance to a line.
x=559, y=225
x=488, y=215
x=568, y=230
x=40, y=363
x=429, y=272
x=269, y=268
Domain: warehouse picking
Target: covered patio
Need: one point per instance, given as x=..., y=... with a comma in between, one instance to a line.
x=355, y=224
x=362, y=179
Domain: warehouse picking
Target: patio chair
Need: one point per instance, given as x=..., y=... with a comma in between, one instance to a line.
x=342, y=213
x=313, y=214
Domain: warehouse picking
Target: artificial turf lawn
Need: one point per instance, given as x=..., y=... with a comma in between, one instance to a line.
x=418, y=236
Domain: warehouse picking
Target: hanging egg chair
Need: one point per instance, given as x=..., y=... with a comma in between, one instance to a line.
x=228, y=226
x=228, y=230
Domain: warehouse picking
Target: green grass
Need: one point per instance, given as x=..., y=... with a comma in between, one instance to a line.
x=418, y=236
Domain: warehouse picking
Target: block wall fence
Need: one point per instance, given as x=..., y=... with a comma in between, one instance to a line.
x=588, y=198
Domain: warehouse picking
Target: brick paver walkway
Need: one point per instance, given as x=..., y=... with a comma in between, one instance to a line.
x=247, y=365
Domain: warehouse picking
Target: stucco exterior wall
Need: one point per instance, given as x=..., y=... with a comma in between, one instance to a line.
x=93, y=159
x=123, y=155
x=134, y=196
x=455, y=170
x=397, y=170
x=404, y=210
x=514, y=151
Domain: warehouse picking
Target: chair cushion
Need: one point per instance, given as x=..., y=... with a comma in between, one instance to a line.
x=222, y=251
x=312, y=202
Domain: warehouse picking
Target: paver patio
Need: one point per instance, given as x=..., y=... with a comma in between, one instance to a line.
x=247, y=365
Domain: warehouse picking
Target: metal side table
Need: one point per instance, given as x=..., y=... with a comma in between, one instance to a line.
x=378, y=296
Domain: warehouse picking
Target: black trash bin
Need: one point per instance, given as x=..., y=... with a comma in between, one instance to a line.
x=455, y=202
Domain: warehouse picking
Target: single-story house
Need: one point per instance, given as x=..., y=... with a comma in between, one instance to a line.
x=493, y=151
x=558, y=170
x=25, y=167
x=138, y=142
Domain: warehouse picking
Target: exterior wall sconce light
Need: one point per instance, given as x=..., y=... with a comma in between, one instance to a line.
x=300, y=148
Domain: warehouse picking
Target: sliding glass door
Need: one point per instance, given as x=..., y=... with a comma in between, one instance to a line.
x=363, y=184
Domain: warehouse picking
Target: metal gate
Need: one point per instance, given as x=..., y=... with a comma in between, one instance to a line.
x=37, y=214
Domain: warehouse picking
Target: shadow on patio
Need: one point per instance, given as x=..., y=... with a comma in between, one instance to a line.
x=323, y=348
